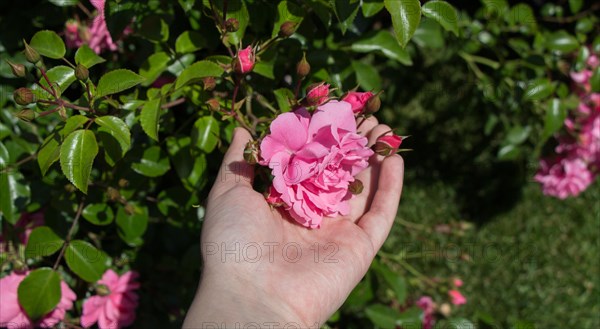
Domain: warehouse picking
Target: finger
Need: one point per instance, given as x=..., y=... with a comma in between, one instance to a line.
x=378, y=221
x=365, y=125
x=360, y=204
x=234, y=169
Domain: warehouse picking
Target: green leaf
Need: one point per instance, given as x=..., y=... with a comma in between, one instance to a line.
x=370, y=8
x=150, y=116
x=154, y=28
x=495, y=8
x=115, y=137
x=132, y=227
x=575, y=5
x=87, y=57
x=61, y=76
x=595, y=80
x=406, y=15
x=555, y=117
x=4, y=157
x=429, y=35
x=39, y=292
x=48, y=44
x=382, y=316
x=116, y=81
x=461, y=323
x=509, y=152
x=562, y=41
x=153, y=163
x=283, y=96
x=187, y=5
x=85, y=260
x=98, y=214
x=77, y=155
x=205, y=133
x=361, y=295
x=346, y=12
x=42, y=242
x=287, y=12
x=235, y=9
x=384, y=43
x=443, y=13
x=411, y=317
x=265, y=69
x=197, y=71
x=190, y=167
x=518, y=134
x=153, y=67
x=366, y=76
x=15, y=194
x=64, y=3
x=522, y=14
x=190, y=41
x=538, y=89
x=394, y=280
x=49, y=151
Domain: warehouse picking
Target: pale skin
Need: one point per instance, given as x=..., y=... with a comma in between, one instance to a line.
x=276, y=273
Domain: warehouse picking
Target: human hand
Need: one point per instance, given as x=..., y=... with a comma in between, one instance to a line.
x=261, y=269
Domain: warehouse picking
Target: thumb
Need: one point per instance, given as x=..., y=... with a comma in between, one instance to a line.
x=234, y=169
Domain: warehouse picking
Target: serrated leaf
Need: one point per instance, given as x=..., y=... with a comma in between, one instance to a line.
x=443, y=13
x=284, y=97
x=117, y=81
x=197, y=71
x=87, y=57
x=39, y=292
x=154, y=66
x=346, y=12
x=287, y=12
x=132, y=227
x=150, y=117
x=371, y=8
x=98, y=214
x=154, y=28
x=61, y=76
x=42, y=242
x=153, y=163
x=49, y=151
x=118, y=129
x=77, y=155
x=383, y=42
x=538, y=89
x=394, y=280
x=205, y=133
x=15, y=194
x=406, y=15
x=85, y=260
x=48, y=44
x=382, y=316
x=366, y=76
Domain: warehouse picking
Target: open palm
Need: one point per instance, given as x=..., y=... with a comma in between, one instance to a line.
x=263, y=268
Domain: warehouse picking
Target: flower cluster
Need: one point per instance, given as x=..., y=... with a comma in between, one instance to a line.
x=430, y=308
x=577, y=159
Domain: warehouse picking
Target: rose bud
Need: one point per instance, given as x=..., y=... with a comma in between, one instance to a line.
x=209, y=83
x=23, y=96
x=213, y=104
x=303, y=68
x=373, y=104
x=356, y=187
x=317, y=94
x=387, y=145
x=113, y=193
x=18, y=70
x=358, y=100
x=252, y=152
x=81, y=72
x=232, y=25
x=123, y=182
x=26, y=115
x=244, y=61
x=273, y=197
x=31, y=54
x=287, y=29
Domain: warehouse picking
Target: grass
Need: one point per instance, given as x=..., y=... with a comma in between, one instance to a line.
x=534, y=265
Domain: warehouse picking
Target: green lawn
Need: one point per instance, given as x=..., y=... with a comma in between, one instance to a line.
x=537, y=262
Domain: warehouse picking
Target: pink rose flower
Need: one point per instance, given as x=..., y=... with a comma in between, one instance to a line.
x=313, y=159
x=72, y=36
x=456, y=297
x=317, y=94
x=457, y=283
x=12, y=314
x=27, y=222
x=428, y=306
x=563, y=177
x=100, y=38
x=387, y=145
x=244, y=61
x=116, y=309
x=358, y=100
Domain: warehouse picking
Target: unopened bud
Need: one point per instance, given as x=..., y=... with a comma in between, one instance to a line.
x=373, y=104
x=113, y=194
x=317, y=94
x=81, y=72
x=303, y=68
x=23, y=96
x=232, y=25
x=209, y=83
x=129, y=209
x=387, y=145
x=213, y=104
x=31, y=54
x=252, y=152
x=244, y=61
x=356, y=187
x=18, y=70
x=25, y=115
x=123, y=182
x=287, y=29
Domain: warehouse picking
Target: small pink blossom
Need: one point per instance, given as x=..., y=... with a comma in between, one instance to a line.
x=358, y=100
x=317, y=94
x=27, y=222
x=100, y=38
x=12, y=314
x=244, y=61
x=563, y=177
x=73, y=38
x=116, y=309
x=456, y=297
x=313, y=159
x=387, y=145
x=593, y=61
x=457, y=283
x=428, y=306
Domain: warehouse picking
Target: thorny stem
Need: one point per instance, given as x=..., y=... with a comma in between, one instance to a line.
x=63, y=103
x=43, y=87
x=173, y=103
x=69, y=235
